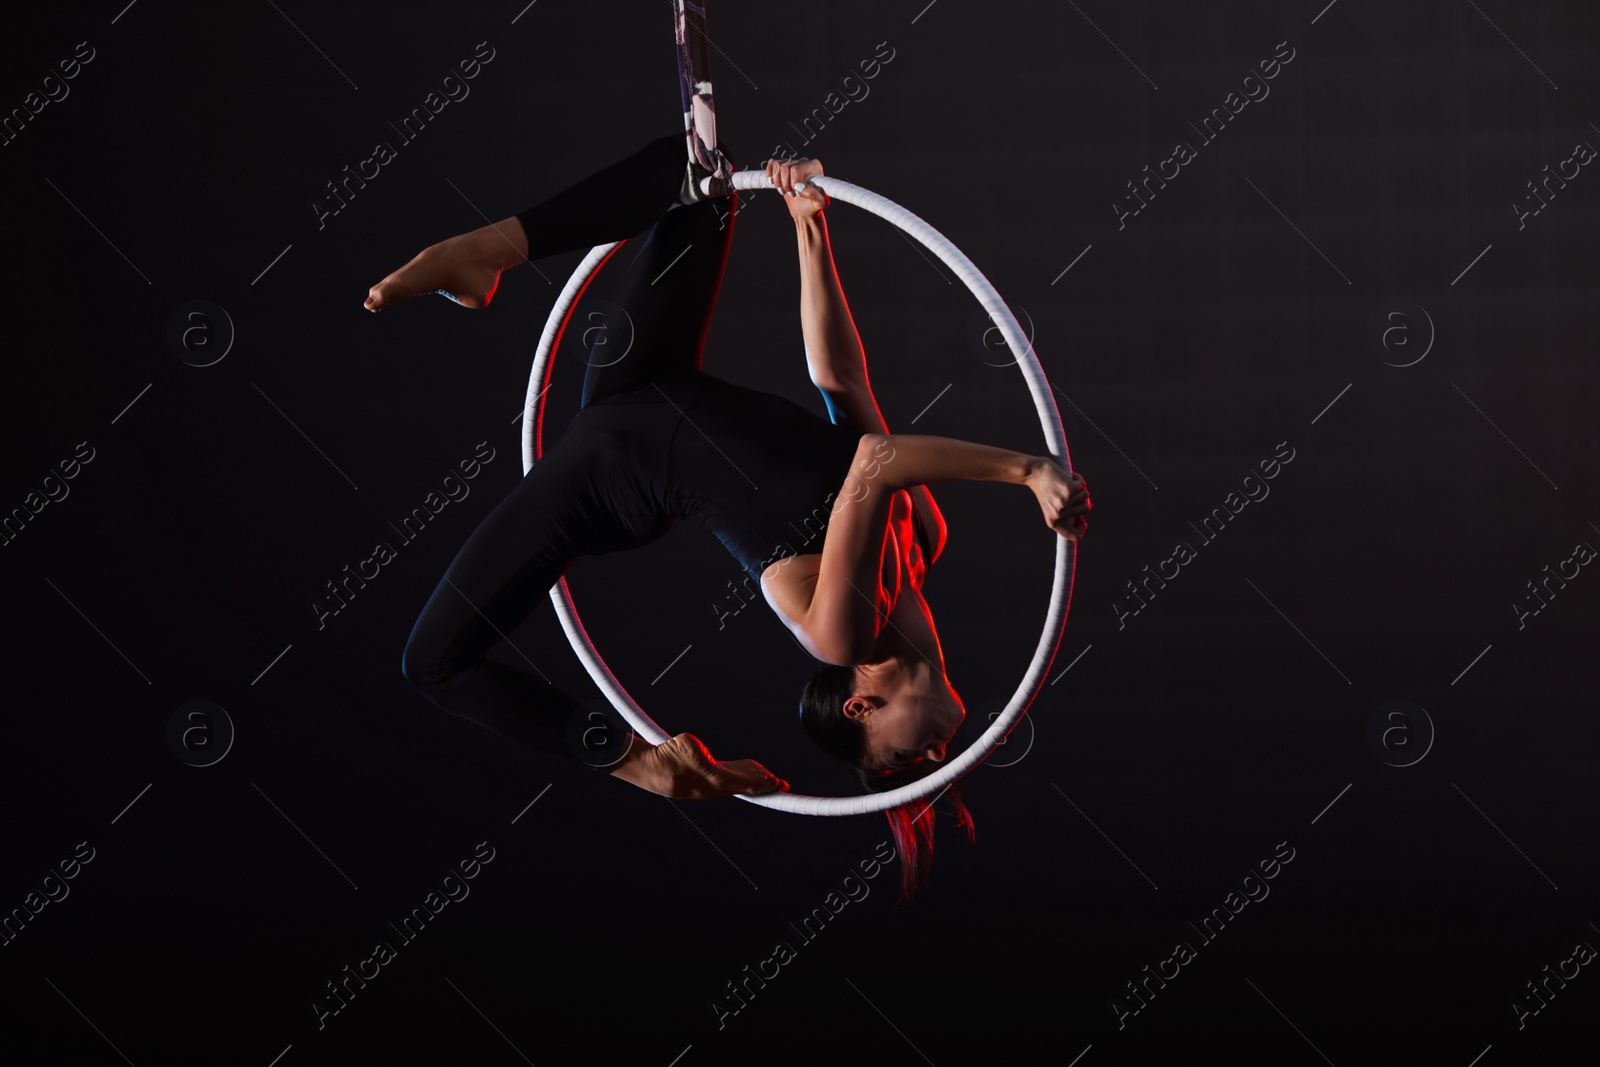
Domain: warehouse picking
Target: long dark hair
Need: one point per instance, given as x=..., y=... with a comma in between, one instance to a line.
x=845, y=739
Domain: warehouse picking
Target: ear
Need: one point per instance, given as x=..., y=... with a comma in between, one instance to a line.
x=857, y=707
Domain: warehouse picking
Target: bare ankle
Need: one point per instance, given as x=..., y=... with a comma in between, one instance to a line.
x=504, y=243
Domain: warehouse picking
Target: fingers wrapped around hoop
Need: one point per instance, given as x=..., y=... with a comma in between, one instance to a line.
x=792, y=179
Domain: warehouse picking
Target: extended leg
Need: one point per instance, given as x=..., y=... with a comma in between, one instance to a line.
x=612, y=204
x=499, y=577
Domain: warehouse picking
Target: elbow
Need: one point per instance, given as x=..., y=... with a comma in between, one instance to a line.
x=874, y=457
x=836, y=383
x=874, y=448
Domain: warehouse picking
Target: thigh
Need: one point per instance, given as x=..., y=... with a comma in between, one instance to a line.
x=507, y=566
x=658, y=327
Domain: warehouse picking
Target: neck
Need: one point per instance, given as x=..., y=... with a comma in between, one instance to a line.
x=903, y=669
x=894, y=645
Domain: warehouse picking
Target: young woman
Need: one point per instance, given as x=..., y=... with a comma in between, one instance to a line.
x=657, y=440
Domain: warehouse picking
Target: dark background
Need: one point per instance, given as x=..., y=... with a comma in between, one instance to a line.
x=1182, y=748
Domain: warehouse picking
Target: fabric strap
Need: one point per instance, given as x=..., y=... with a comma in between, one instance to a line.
x=709, y=172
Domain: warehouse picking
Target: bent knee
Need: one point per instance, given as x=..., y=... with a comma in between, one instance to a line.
x=421, y=668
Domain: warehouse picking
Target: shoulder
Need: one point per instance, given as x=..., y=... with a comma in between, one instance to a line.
x=789, y=585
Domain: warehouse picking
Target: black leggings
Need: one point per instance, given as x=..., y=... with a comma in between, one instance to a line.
x=538, y=531
x=752, y=466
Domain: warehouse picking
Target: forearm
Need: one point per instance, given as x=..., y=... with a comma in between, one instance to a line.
x=905, y=460
x=833, y=347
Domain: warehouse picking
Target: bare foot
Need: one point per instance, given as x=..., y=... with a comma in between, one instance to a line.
x=465, y=268
x=683, y=769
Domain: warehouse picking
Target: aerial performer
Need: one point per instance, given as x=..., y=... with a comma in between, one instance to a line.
x=657, y=439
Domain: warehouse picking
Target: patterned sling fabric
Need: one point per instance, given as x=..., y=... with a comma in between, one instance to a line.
x=709, y=172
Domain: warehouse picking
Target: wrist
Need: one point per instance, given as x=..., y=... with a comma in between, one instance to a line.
x=811, y=228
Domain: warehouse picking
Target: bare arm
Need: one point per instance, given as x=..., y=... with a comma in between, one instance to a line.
x=845, y=613
x=834, y=354
x=846, y=607
x=833, y=347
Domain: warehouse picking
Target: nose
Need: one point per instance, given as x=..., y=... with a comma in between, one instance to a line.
x=936, y=753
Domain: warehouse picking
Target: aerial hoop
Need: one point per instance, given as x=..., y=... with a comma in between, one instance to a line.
x=1049, y=421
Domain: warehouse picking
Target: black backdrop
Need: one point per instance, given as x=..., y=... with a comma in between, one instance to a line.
x=1352, y=270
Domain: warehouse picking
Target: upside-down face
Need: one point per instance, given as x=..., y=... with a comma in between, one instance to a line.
x=908, y=722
